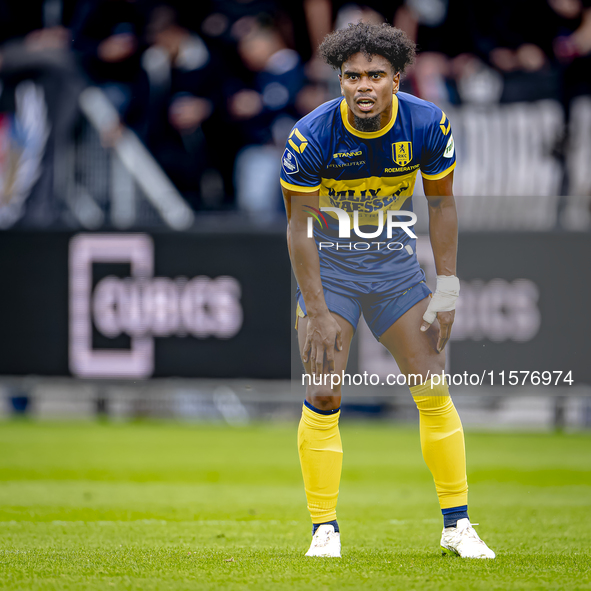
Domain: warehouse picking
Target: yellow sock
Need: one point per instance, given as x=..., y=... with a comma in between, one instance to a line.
x=442, y=443
x=321, y=458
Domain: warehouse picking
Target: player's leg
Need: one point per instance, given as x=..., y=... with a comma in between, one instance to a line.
x=319, y=445
x=442, y=436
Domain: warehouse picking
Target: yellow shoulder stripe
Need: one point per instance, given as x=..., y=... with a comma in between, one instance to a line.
x=444, y=130
x=298, y=188
x=439, y=175
x=299, y=135
x=303, y=141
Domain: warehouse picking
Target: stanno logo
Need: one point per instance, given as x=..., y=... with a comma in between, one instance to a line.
x=402, y=153
x=347, y=154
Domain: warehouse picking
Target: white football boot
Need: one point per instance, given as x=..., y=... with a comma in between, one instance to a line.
x=326, y=542
x=463, y=541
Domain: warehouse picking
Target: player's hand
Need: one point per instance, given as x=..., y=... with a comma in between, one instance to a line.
x=446, y=320
x=442, y=306
x=323, y=335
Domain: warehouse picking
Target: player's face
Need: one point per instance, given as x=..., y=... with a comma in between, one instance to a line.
x=368, y=86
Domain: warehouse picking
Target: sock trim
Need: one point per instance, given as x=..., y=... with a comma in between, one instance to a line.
x=452, y=515
x=454, y=509
x=321, y=412
x=334, y=523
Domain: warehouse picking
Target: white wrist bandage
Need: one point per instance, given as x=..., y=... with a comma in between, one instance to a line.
x=444, y=298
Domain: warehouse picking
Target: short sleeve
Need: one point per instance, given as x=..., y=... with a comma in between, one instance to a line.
x=439, y=154
x=301, y=163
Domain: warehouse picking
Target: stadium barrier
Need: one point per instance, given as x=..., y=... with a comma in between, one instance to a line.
x=211, y=304
x=110, y=309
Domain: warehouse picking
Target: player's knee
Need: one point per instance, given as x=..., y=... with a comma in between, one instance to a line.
x=324, y=398
x=419, y=369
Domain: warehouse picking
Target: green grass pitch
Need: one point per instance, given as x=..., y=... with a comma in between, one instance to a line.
x=176, y=506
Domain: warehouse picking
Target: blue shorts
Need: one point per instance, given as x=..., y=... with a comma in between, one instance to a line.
x=381, y=307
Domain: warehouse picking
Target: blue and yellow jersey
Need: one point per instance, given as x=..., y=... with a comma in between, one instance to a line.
x=368, y=172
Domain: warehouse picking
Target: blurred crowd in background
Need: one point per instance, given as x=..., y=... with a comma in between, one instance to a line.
x=212, y=88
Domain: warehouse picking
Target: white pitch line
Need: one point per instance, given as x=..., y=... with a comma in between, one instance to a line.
x=411, y=521
x=150, y=522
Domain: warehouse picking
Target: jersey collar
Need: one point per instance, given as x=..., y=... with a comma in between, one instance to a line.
x=369, y=134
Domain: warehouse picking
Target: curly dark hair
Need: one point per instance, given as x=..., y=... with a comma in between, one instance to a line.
x=384, y=40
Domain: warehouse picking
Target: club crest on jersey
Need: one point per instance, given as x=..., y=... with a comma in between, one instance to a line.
x=402, y=153
x=289, y=162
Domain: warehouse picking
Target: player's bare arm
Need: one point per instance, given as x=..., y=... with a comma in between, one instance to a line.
x=323, y=331
x=443, y=232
